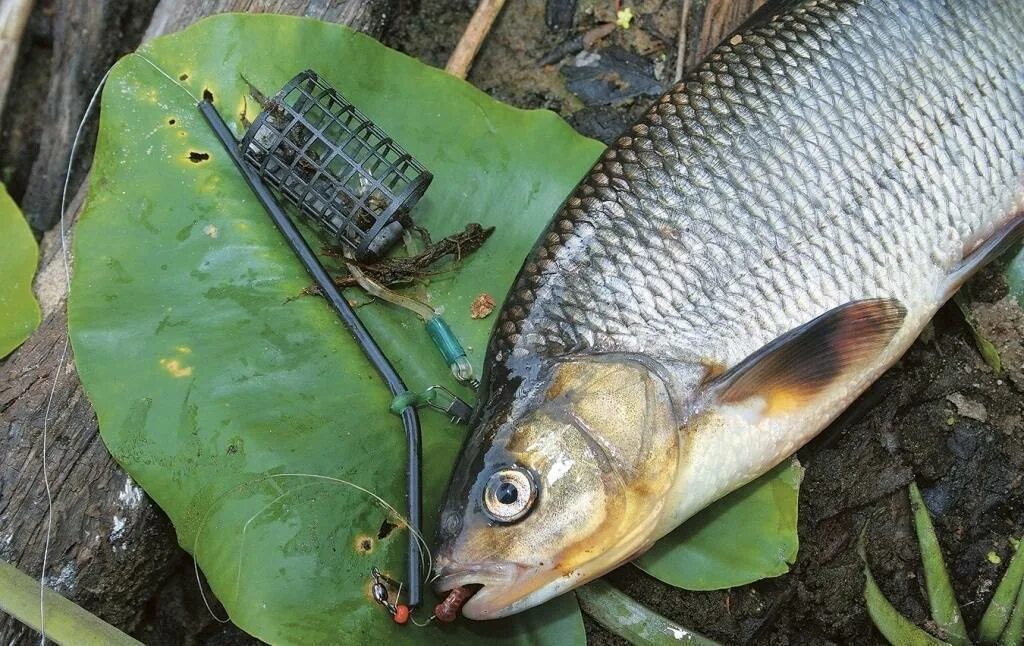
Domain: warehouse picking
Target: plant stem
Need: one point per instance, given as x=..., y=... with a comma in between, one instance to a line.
x=634, y=622
x=1014, y=635
x=66, y=622
x=684, y=20
x=998, y=612
x=894, y=627
x=941, y=600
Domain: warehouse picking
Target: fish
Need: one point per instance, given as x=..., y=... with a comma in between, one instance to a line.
x=740, y=265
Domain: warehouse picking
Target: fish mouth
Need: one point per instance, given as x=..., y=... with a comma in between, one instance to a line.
x=502, y=588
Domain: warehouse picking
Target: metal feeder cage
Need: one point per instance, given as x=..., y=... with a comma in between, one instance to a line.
x=338, y=167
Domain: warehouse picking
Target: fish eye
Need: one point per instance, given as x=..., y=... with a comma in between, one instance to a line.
x=509, y=494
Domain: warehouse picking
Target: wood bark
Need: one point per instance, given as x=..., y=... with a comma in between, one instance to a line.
x=14, y=16
x=85, y=39
x=110, y=547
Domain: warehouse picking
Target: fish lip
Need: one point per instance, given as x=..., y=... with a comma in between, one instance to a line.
x=499, y=573
x=505, y=587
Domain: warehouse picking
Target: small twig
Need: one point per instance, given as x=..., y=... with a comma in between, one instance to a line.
x=403, y=270
x=13, y=19
x=684, y=18
x=476, y=31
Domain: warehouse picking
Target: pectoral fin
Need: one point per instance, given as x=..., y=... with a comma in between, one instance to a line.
x=800, y=364
x=984, y=251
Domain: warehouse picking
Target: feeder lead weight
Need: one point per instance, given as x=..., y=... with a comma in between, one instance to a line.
x=341, y=170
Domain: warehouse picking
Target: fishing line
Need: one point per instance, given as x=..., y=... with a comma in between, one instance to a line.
x=63, y=353
x=424, y=553
x=245, y=528
x=62, y=231
x=166, y=75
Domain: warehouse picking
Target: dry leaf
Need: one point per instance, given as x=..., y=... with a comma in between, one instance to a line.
x=482, y=306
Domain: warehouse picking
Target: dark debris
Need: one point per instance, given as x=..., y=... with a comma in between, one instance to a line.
x=404, y=270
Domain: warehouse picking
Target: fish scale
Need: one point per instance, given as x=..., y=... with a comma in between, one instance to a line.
x=805, y=164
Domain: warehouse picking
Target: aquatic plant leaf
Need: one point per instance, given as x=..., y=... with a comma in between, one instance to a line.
x=213, y=376
x=941, y=600
x=748, y=535
x=997, y=613
x=220, y=387
x=896, y=628
x=1014, y=633
x=19, y=255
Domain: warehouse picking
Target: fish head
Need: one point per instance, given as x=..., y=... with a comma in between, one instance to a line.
x=563, y=479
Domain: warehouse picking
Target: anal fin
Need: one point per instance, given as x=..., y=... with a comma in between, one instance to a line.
x=798, y=365
x=989, y=249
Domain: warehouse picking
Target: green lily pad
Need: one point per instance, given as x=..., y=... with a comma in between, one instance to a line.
x=222, y=390
x=210, y=372
x=19, y=311
x=746, y=536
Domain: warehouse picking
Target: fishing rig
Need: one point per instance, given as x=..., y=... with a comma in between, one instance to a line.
x=357, y=186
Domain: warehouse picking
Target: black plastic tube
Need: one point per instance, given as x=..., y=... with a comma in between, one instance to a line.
x=410, y=419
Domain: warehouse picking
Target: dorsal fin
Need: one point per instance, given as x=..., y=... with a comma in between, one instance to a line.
x=801, y=363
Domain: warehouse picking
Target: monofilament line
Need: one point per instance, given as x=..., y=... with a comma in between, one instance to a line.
x=67, y=338
x=63, y=352
x=425, y=556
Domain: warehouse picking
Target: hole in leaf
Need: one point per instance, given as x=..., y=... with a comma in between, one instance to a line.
x=364, y=544
x=386, y=527
x=196, y=157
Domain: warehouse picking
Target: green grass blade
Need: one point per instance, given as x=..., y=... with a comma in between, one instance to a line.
x=988, y=350
x=1014, y=634
x=998, y=612
x=634, y=622
x=66, y=622
x=941, y=600
x=896, y=628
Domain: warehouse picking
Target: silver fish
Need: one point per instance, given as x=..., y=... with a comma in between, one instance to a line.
x=770, y=237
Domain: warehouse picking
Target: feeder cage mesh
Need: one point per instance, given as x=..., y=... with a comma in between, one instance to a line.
x=338, y=167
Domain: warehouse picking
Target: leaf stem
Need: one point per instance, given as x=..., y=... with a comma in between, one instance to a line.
x=631, y=620
x=896, y=628
x=998, y=612
x=66, y=622
x=1014, y=634
x=941, y=599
